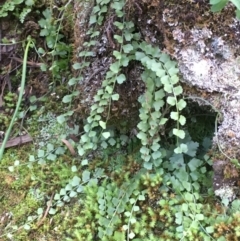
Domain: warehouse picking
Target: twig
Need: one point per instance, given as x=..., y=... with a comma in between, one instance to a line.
x=138, y=7
x=32, y=64
x=96, y=72
x=40, y=222
x=109, y=31
x=18, y=141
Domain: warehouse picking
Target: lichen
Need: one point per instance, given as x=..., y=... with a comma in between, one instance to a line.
x=226, y=192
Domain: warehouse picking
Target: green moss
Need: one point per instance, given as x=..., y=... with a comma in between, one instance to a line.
x=26, y=190
x=26, y=208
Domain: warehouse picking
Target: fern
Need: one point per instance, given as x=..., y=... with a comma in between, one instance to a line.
x=24, y=13
x=9, y=6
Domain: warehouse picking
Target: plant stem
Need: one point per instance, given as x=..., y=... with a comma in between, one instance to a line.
x=24, y=67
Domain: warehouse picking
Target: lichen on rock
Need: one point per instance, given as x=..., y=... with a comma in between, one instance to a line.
x=210, y=62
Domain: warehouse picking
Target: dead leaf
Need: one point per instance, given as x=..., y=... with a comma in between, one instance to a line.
x=69, y=146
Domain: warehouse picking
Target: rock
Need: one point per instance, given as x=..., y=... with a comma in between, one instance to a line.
x=206, y=47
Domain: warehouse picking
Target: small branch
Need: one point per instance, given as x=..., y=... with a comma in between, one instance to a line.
x=138, y=7
x=109, y=31
x=40, y=222
x=18, y=141
x=29, y=63
x=95, y=73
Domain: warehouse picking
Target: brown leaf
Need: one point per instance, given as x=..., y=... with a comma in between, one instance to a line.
x=69, y=146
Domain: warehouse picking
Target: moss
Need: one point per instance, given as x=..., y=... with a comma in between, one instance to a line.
x=27, y=189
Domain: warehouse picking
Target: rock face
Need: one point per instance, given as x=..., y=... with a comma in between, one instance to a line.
x=124, y=113
x=206, y=47
x=211, y=64
x=209, y=60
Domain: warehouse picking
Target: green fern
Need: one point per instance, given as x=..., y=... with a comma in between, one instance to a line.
x=9, y=6
x=24, y=13
x=13, y=6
